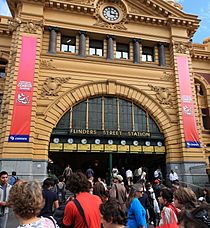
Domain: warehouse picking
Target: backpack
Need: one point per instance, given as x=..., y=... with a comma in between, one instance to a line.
x=61, y=193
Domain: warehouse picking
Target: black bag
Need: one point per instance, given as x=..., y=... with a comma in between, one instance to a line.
x=59, y=214
x=61, y=193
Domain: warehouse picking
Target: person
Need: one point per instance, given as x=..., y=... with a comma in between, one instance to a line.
x=185, y=198
x=158, y=175
x=157, y=188
x=114, y=171
x=136, y=212
x=67, y=171
x=173, y=176
x=26, y=200
x=90, y=173
x=50, y=197
x=61, y=190
x=118, y=190
x=206, y=196
x=129, y=176
x=99, y=190
x=169, y=213
x=195, y=218
x=77, y=183
x=4, y=193
x=113, y=216
x=13, y=179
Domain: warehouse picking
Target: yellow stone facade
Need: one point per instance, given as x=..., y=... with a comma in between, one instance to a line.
x=153, y=87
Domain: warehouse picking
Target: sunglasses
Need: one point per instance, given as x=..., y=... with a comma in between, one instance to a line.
x=141, y=191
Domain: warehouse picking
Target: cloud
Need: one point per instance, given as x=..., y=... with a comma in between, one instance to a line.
x=4, y=10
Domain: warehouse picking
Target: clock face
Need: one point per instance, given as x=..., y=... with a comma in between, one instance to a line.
x=110, y=13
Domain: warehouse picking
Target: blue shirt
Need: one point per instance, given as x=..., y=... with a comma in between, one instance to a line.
x=136, y=215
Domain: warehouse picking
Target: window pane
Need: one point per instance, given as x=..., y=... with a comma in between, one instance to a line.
x=72, y=48
x=149, y=58
x=118, y=54
x=125, y=55
x=99, y=52
x=140, y=123
x=95, y=113
x=110, y=113
x=92, y=51
x=144, y=58
x=125, y=115
x=153, y=126
x=96, y=44
x=79, y=116
x=64, y=121
x=64, y=47
x=68, y=44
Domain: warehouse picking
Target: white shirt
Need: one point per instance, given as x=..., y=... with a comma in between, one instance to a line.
x=173, y=176
x=129, y=173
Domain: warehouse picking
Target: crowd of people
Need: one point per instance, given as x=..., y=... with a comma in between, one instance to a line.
x=76, y=200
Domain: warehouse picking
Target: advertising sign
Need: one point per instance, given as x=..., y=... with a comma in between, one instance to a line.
x=188, y=111
x=21, y=116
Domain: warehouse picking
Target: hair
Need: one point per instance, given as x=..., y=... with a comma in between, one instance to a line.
x=61, y=178
x=195, y=218
x=132, y=193
x=207, y=191
x=3, y=173
x=49, y=182
x=26, y=199
x=186, y=197
x=77, y=182
x=99, y=190
x=13, y=173
x=112, y=211
x=167, y=194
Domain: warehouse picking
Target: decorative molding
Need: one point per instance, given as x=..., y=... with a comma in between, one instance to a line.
x=45, y=63
x=32, y=26
x=14, y=24
x=13, y=57
x=52, y=86
x=168, y=76
x=182, y=48
x=162, y=94
x=119, y=25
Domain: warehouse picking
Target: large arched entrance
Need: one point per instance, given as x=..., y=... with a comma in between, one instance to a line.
x=107, y=131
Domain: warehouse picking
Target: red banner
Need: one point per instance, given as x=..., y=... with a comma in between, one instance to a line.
x=21, y=117
x=188, y=111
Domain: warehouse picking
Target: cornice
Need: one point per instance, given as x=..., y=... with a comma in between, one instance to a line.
x=200, y=55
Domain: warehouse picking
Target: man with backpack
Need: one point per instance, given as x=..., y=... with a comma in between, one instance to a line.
x=61, y=190
x=13, y=179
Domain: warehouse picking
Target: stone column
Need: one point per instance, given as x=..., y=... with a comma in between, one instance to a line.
x=161, y=55
x=53, y=40
x=110, y=48
x=82, y=43
x=136, y=51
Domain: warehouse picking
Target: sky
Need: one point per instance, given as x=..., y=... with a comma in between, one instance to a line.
x=200, y=8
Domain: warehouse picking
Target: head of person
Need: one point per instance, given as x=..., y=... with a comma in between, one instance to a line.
x=119, y=178
x=166, y=196
x=136, y=191
x=3, y=177
x=112, y=214
x=77, y=183
x=61, y=178
x=99, y=190
x=26, y=199
x=195, y=218
x=185, y=198
x=48, y=183
x=13, y=173
x=172, y=171
x=206, y=192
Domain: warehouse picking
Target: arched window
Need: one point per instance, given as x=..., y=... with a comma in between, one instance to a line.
x=108, y=113
x=3, y=64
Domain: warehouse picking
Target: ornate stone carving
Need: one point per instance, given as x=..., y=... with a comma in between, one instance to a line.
x=47, y=64
x=162, y=94
x=84, y=2
x=167, y=76
x=120, y=25
x=32, y=26
x=52, y=86
x=181, y=47
x=13, y=24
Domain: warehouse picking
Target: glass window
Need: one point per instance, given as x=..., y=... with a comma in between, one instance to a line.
x=148, y=54
x=153, y=126
x=96, y=47
x=122, y=51
x=79, y=116
x=125, y=115
x=140, y=119
x=110, y=113
x=95, y=113
x=205, y=117
x=68, y=44
x=64, y=121
x=3, y=64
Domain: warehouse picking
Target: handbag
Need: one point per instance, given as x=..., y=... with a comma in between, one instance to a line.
x=173, y=223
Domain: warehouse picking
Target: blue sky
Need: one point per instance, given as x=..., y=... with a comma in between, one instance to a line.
x=200, y=8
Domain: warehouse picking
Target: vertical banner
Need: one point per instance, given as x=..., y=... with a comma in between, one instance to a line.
x=188, y=111
x=21, y=117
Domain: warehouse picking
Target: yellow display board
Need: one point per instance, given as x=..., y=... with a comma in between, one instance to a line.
x=56, y=146
x=123, y=148
x=69, y=147
x=110, y=147
x=95, y=147
x=82, y=147
x=135, y=149
x=148, y=149
x=159, y=149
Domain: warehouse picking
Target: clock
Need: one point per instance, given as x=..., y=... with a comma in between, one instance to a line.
x=111, y=13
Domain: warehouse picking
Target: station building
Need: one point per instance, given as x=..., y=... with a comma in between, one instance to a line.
x=103, y=83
